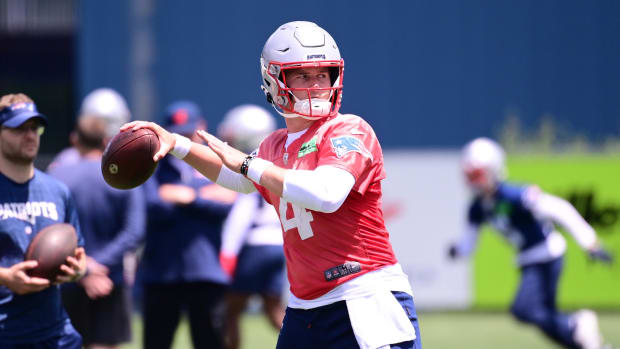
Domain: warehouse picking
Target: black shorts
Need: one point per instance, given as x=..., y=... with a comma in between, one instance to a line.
x=104, y=320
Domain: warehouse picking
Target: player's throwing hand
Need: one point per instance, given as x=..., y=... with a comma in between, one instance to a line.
x=166, y=140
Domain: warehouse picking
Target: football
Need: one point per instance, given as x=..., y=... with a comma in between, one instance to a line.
x=51, y=247
x=127, y=160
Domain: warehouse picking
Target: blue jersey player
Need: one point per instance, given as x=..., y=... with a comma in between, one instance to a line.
x=526, y=216
x=31, y=313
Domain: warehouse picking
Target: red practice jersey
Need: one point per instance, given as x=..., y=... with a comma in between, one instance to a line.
x=324, y=250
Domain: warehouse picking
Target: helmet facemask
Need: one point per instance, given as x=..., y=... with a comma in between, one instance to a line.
x=480, y=179
x=288, y=105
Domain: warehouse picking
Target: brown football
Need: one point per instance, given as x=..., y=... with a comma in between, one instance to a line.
x=51, y=247
x=127, y=160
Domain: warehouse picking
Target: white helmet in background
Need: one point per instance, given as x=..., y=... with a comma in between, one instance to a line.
x=297, y=45
x=245, y=126
x=483, y=162
x=109, y=105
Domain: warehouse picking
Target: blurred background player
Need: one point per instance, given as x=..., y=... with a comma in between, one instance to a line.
x=252, y=241
x=323, y=175
x=525, y=216
x=31, y=312
x=113, y=223
x=180, y=267
x=104, y=103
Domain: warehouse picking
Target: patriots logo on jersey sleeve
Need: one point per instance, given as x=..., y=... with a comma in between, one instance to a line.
x=346, y=144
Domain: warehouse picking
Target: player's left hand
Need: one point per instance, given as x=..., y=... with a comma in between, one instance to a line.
x=230, y=156
x=601, y=255
x=75, y=267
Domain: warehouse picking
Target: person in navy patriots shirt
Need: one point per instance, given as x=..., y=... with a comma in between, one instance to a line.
x=180, y=270
x=31, y=311
x=526, y=216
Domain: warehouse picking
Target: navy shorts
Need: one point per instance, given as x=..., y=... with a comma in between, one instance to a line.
x=329, y=327
x=260, y=269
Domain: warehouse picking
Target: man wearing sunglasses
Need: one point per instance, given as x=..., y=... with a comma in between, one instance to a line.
x=31, y=312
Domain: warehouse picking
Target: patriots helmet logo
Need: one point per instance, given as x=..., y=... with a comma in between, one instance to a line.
x=346, y=144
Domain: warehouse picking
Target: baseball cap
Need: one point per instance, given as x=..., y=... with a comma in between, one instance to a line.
x=183, y=117
x=16, y=114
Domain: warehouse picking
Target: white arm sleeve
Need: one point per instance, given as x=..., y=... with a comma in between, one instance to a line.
x=560, y=211
x=234, y=181
x=323, y=189
x=238, y=223
x=467, y=244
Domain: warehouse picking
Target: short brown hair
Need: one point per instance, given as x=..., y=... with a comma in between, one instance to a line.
x=90, y=132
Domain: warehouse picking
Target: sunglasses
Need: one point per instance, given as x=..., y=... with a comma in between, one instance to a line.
x=36, y=128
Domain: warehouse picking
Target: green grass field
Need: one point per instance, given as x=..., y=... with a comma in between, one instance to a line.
x=439, y=331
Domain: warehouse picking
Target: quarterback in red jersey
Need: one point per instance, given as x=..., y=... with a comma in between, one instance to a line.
x=317, y=240
x=323, y=176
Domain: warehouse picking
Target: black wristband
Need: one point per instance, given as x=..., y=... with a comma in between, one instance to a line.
x=246, y=164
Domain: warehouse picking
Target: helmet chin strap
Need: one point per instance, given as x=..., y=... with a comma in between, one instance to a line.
x=319, y=107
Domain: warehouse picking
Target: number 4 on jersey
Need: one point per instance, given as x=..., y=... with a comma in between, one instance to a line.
x=301, y=219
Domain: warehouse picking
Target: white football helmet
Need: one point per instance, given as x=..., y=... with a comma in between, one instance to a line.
x=245, y=126
x=483, y=162
x=296, y=45
x=109, y=105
